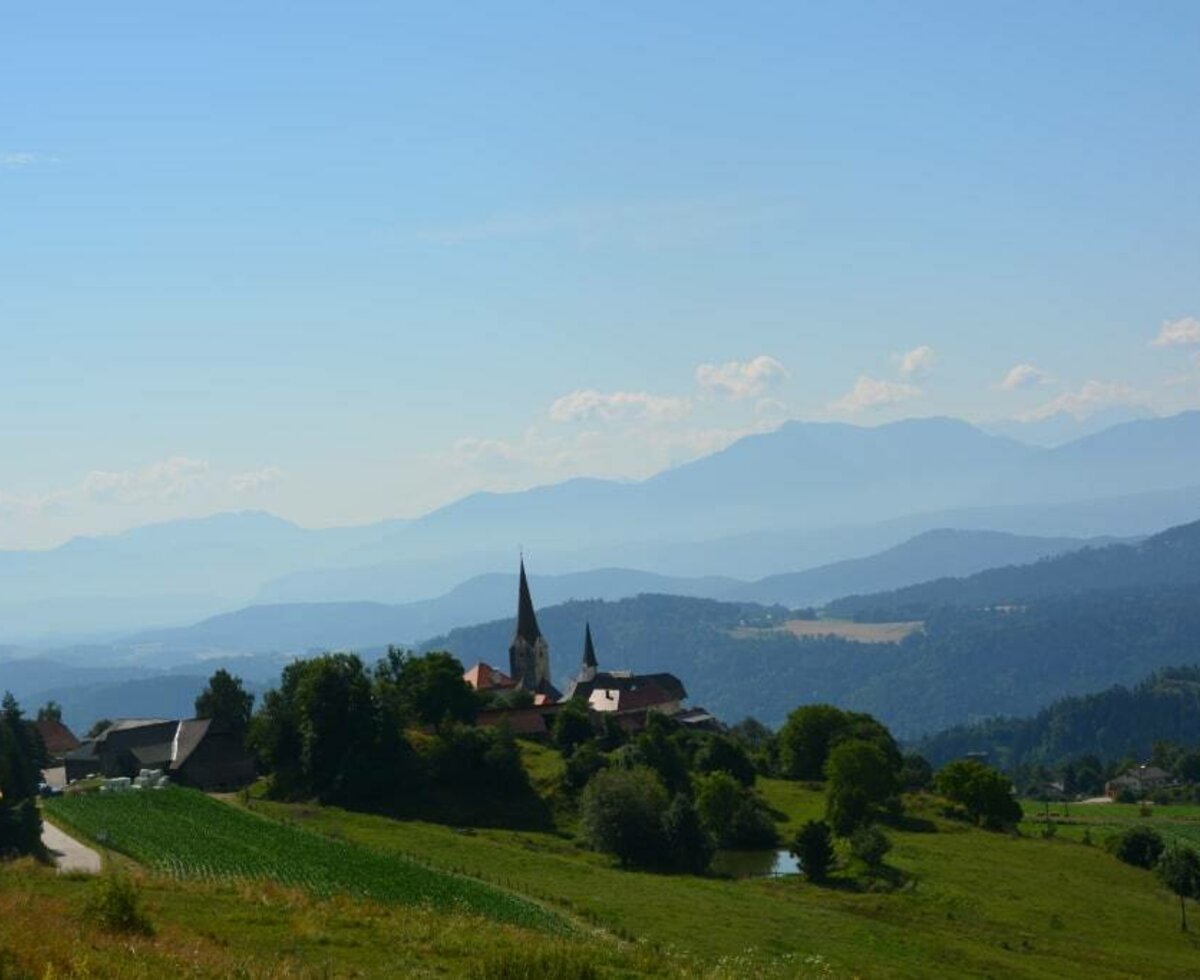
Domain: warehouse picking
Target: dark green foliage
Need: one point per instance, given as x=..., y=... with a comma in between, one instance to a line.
x=572, y=727
x=426, y=690
x=658, y=747
x=689, y=847
x=1139, y=846
x=1114, y=724
x=916, y=773
x=621, y=813
x=812, y=731
x=719, y=754
x=870, y=845
x=985, y=794
x=116, y=905
x=582, y=765
x=21, y=754
x=861, y=780
x=50, y=711
x=1179, y=869
x=227, y=702
x=813, y=848
x=98, y=726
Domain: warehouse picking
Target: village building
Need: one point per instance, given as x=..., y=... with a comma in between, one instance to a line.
x=196, y=752
x=57, y=738
x=622, y=694
x=1139, y=780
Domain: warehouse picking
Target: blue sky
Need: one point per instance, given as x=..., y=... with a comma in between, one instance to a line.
x=349, y=261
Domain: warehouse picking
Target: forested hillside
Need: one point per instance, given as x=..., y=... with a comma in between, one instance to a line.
x=964, y=665
x=1115, y=724
x=1170, y=559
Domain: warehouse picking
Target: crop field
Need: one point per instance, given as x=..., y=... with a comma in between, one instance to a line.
x=843, y=628
x=190, y=836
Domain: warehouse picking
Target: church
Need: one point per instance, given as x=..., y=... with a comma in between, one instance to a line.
x=625, y=695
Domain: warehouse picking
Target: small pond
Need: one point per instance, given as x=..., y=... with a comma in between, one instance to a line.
x=754, y=864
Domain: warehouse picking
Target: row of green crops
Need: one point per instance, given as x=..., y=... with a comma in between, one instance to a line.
x=189, y=835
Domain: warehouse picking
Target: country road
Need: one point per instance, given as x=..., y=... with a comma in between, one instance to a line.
x=68, y=853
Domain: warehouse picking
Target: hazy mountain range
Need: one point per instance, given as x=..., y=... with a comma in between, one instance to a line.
x=803, y=496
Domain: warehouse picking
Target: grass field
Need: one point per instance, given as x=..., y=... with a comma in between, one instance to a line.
x=844, y=628
x=975, y=903
x=188, y=835
x=1100, y=820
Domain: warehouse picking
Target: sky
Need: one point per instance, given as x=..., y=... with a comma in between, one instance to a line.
x=351, y=261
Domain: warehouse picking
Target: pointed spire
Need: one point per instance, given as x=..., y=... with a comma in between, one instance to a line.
x=589, y=650
x=527, y=624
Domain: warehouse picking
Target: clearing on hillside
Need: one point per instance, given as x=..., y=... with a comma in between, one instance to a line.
x=189, y=835
x=845, y=628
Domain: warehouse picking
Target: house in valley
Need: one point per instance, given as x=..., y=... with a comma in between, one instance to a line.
x=1138, y=780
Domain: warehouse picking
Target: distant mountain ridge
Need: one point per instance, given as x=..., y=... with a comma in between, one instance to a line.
x=826, y=491
x=348, y=625
x=1168, y=560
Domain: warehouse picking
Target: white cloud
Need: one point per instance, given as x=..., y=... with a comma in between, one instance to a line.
x=871, y=393
x=255, y=481
x=1087, y=400
x=741, y=379
x=917, y=362
x=590, y=405
x=16, y=161
x=1023, y=376
x=1177, y=333
x=169, y=479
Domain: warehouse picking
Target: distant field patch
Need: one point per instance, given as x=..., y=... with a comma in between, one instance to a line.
x=189, y=835
x=844, y=628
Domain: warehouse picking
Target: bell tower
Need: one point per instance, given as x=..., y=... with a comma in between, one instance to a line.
x=529, y=653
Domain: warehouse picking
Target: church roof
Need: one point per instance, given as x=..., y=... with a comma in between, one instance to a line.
x=527, y=624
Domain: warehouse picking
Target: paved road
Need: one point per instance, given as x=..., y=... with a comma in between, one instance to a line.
x=67, y=852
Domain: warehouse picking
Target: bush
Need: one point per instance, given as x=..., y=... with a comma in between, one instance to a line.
x=719, y=754
x=731, y=814
x=984, y=793
x=621, y=813
x=116, y=906
x=689, y=846
x=582, y=765
x=572, y=728
x=870, y=845
x=813, y=848
x=1139, y=846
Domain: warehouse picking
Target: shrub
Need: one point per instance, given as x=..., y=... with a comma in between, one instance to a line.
x=582, y=765
x=870, y=845
x=1139, y=846
x=572, y=728
x=731, y=814
x=719, y=754
x=117, y=906
x=813, y=848
x=689, y=846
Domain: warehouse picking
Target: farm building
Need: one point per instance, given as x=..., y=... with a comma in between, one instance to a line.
x=195, y=752
x=56, y=737
x=1138, y=780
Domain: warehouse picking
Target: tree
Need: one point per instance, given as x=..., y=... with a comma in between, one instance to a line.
x=226, y=702
x=985, y=794
x=915, y=773
x=690, y=847
x=572, y=727
x=425, y=690
x=98, y=727
x=812, y=731
x=1179, y=869
x=1139, y=846
x=813, y=848
x=50, y=711
x=20, y=770
x=621, y=813
x=656, y=747
x=860, y=781
x=719, y=754
x=718, y=796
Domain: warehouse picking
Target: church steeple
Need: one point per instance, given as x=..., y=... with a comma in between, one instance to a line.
x=529, y=653
x=587, y=671
x=527, y=624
